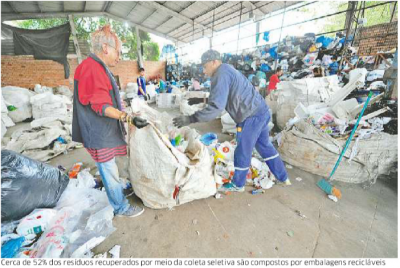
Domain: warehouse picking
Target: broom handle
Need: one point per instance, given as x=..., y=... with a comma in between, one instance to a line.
x=351, y=136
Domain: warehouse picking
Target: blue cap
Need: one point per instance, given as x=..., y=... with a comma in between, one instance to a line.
x=210, y=55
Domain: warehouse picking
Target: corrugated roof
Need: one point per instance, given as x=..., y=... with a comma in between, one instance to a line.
x=179, y=21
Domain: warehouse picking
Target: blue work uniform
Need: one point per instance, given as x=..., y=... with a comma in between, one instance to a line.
x=233, y=92
x=141, y=81
x=333, y=68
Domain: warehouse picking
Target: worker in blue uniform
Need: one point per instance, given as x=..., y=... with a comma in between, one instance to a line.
x=334, y=66
x=233, y=92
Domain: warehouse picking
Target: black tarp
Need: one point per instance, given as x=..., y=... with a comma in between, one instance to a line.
x=48, y=44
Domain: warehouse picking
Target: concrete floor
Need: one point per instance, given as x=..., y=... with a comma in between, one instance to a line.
x=363, y=224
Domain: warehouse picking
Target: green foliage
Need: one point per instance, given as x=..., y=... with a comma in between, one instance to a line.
x=151, y=51
x=40, y=24
x=86, y=25
x=376, y=15
x=380, y=14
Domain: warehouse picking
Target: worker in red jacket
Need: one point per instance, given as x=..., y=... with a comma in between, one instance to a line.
x=98, y=116
x=274, y=79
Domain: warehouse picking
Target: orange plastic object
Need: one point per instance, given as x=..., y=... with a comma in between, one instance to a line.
x=74, y=170
x=226, y=180
x=336, y=192
x=225, y=150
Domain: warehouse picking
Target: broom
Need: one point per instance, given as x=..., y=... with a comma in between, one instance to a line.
x=325, y=185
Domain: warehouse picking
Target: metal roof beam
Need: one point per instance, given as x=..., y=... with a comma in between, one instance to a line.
x=106, y=6
x=27, y=16
x=170, y=18
x=225, y=5
x=148, y=17
x=250, y=6
x=38, y=5
x=162, y=23
x=173, y=17
x=144, y=28
x=172, y=13
x=11, y=4
x=130, y=12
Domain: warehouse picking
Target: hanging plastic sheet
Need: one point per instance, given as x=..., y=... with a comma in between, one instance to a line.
x=48, y=44
x=266, y=36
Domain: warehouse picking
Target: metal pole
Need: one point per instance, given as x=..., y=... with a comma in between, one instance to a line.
x=240, y=21
x=355, y=30
x=394, y=10
x=280, y=36
x=76, y=44
x=349, y=22
x=138, y=45
x=212, y=29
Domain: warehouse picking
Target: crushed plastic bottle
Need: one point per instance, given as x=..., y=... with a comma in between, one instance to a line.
x=258, y=191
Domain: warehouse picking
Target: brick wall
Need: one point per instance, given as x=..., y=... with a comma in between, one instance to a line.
x=25, y=71
x=373, y=39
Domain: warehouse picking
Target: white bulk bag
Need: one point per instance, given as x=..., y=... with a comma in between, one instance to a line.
x=20, y=99
x=158, y=170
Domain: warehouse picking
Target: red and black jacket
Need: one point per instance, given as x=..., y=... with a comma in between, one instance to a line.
x=95, y=89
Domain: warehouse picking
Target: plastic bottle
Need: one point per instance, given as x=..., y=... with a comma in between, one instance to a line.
x=11, y=108
x=178, y=140
x=258, y=191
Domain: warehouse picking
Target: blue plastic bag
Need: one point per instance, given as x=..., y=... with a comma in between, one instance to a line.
x=272, y=52
x=264, y=67
x=266, y=36
x=208, y=138
x=324, y=40
x=10, y=248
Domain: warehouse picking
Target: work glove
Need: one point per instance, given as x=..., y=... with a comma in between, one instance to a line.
x=193, y=101
x=137, y=121
x=145, y=97
x=148, y=97
x=181, y=121
x=134, y=120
